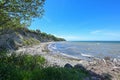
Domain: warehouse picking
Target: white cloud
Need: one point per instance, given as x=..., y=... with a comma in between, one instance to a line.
x=96, y=32
x=105, y=33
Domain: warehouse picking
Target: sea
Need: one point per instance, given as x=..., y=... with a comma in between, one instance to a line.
x=87, y=49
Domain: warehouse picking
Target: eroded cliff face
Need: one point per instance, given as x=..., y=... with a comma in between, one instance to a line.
x=15, y=40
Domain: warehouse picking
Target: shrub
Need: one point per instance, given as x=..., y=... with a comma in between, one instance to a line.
x=59, y=73
x=30, y=41
x=19, y=66
x=31, y=67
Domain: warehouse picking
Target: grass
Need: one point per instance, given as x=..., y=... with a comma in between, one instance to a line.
x=31, y=67
x=30, y=41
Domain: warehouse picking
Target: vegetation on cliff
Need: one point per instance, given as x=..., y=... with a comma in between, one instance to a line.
x=15, y=17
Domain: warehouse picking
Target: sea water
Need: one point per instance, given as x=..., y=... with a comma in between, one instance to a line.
x=83, y=49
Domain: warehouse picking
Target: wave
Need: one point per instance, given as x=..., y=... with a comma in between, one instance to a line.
x=52, y=47
x=70, y=56
x=86, y=55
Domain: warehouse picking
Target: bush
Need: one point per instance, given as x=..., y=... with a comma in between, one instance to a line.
x=10, y=72
x=19, y=66
x=31, y=67
x=30, y=41
x=59, y=73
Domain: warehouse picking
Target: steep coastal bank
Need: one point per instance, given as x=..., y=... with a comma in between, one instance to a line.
x=109, y=70
x=13, y=38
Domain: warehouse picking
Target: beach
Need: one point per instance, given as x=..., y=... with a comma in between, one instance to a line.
x=51, y=58
x=104, y=67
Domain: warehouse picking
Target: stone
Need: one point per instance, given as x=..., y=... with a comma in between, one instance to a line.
x=107, y=58
x=87, y=78
x=79, y=66
x=95, y=78
x=106, y=76
x=91, y=73
x=68, y=66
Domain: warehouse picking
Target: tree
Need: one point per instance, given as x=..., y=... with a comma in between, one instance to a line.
x=20, y=11
x=38, y=31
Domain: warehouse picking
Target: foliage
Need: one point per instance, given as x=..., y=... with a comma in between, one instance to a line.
x=19, y=66
x=31, y=67
x=59, y=73
x=24, y=61
x=51, y=37
x=38, y=31
x=30, y=41
x=19, y=12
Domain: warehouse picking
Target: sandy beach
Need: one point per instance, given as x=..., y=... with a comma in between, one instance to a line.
x=101, y=67
x=51, y=58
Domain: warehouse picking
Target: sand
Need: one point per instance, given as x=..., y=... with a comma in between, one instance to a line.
x=51, y=58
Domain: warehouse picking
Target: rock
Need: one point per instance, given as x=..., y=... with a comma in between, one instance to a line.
x=106, y=76
x=107, y=58
x=79, y=66
x=95, y=78
x=11, y=44
x=92, y=73
x=87, y=78
x=68, y=66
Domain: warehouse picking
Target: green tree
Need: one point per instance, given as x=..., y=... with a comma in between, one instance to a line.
x=19, y=12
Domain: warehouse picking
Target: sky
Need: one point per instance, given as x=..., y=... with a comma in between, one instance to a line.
x=81, y=19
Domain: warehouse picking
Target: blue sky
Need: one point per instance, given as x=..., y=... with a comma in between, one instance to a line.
x=81, y=19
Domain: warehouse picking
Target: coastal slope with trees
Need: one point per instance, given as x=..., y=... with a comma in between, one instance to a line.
x=15, y=18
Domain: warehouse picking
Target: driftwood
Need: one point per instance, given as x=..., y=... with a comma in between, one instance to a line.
x=104, y=61
x=115, y=67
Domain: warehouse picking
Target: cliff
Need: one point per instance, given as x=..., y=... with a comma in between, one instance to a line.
x=12, y=39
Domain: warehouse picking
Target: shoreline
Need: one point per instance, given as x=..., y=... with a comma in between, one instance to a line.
x=98, y=66
x=52, y=58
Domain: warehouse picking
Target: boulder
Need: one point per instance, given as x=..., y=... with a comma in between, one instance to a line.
x=95, y=78
x=68, y=66
x=87, y=78
x=79, y=66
